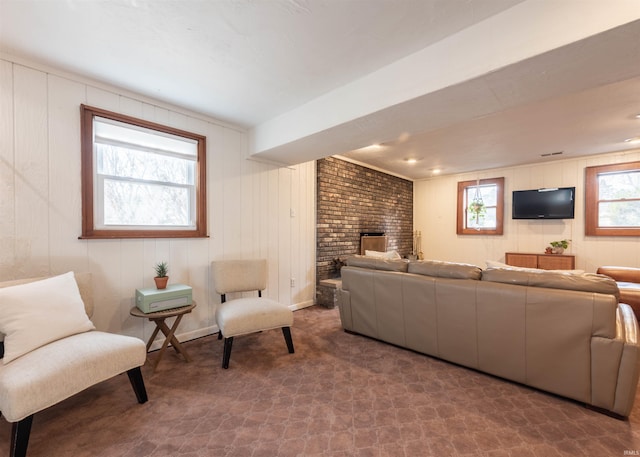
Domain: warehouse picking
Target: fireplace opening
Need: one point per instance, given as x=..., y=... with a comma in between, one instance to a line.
x=373, y=241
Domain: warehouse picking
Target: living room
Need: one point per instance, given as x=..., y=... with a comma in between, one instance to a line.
x=256, y=207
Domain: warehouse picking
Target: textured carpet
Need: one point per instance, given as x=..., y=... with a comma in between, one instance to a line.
x=338, y=395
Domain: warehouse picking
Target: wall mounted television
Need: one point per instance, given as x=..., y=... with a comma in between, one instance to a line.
x=550, y=203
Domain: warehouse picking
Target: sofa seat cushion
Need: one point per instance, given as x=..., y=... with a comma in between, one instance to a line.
x=587, y=282
x=242, y=316
x=52, y=373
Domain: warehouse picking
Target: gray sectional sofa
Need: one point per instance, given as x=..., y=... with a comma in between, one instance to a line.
x=558, y=332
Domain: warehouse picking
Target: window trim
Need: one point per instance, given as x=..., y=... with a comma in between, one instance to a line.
x=87, y=114
x=592, y=193
x=461, y=209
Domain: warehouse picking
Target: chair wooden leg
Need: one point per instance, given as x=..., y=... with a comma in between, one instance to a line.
x=219, y=334
x=135, y=377
x=20, y=437
x=228, y=342
x=286, y=331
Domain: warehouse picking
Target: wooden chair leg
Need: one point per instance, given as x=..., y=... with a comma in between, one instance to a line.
x=228, y=342
x=135, y=377
x=286, y=331
x=20, y=437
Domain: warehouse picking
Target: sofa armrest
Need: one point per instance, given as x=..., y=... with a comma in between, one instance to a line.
x=629, y=371
x=622, y=274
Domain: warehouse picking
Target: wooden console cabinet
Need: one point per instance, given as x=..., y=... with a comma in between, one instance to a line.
x=542, y=261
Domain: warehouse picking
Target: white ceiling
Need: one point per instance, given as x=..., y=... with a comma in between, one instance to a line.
x=304, y=76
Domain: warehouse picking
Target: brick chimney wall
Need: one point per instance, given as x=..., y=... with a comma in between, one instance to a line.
x=352, y=199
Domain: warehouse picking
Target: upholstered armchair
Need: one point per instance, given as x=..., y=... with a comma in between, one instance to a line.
x=52, y=351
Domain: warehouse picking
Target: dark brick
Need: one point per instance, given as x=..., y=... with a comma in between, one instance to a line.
x=352, y=199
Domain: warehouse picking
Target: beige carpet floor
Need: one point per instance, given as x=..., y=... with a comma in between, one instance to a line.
x=338, y=395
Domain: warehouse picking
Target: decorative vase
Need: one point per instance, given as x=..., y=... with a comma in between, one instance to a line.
x=161, y=283
x=558, y=250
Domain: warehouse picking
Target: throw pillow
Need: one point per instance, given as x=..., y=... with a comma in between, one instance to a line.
x=39, y=312
x=391, y=255
x=496, y=264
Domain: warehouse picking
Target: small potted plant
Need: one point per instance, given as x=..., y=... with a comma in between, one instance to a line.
x=161, y=277
x=558, y=247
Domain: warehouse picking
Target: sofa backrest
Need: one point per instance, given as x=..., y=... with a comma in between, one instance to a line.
x=440, y=269
x=621, y=274
x=587, y=282
x=374, y=263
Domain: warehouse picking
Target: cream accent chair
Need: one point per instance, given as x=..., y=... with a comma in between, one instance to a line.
x=242, y=316
x=62, y=368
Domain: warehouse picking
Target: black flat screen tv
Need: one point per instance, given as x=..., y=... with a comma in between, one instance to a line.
x=554, y=203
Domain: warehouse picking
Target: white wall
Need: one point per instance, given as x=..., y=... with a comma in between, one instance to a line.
x=435, y=215
x=250, y=204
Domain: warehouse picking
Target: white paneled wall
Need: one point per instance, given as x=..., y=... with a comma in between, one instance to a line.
x=254, y=209
x=435, y=215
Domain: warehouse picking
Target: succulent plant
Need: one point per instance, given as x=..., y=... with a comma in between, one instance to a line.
x=161, y=269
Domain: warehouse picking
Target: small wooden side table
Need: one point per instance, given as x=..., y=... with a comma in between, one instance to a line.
x=158, y=318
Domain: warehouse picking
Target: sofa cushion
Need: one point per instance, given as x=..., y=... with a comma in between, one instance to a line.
x=63, y=368
x=442, y=269
x=587, y=282
x=495, y=264
x=40, y=312
x=377, y=264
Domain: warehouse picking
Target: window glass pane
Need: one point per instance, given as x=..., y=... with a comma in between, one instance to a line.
x=487, y=218
x=144, y=165
x=486, y=221
x=490, y=218
x=619, y=214
x=132, y=203
x=109, y=130
x=489, y=194
x=615, y=186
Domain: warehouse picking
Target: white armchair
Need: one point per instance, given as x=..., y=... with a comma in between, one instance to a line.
x=242, y=316
x=56, y=370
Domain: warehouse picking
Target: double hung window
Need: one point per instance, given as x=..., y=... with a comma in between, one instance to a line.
x=480, y=207
x=140, y=180
x=612, y=199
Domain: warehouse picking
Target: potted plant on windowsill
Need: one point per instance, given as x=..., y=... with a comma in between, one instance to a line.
x=558, y=247
x=161, y=277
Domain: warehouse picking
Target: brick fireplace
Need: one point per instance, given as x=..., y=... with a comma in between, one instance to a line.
x=352, y=199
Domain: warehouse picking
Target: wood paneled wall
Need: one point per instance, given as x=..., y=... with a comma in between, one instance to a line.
x=254, y=209
x=435, y=215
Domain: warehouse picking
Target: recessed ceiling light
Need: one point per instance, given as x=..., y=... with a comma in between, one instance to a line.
x=638, y=116
x=411, y=160
x=436, y=171
x=634, y=140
